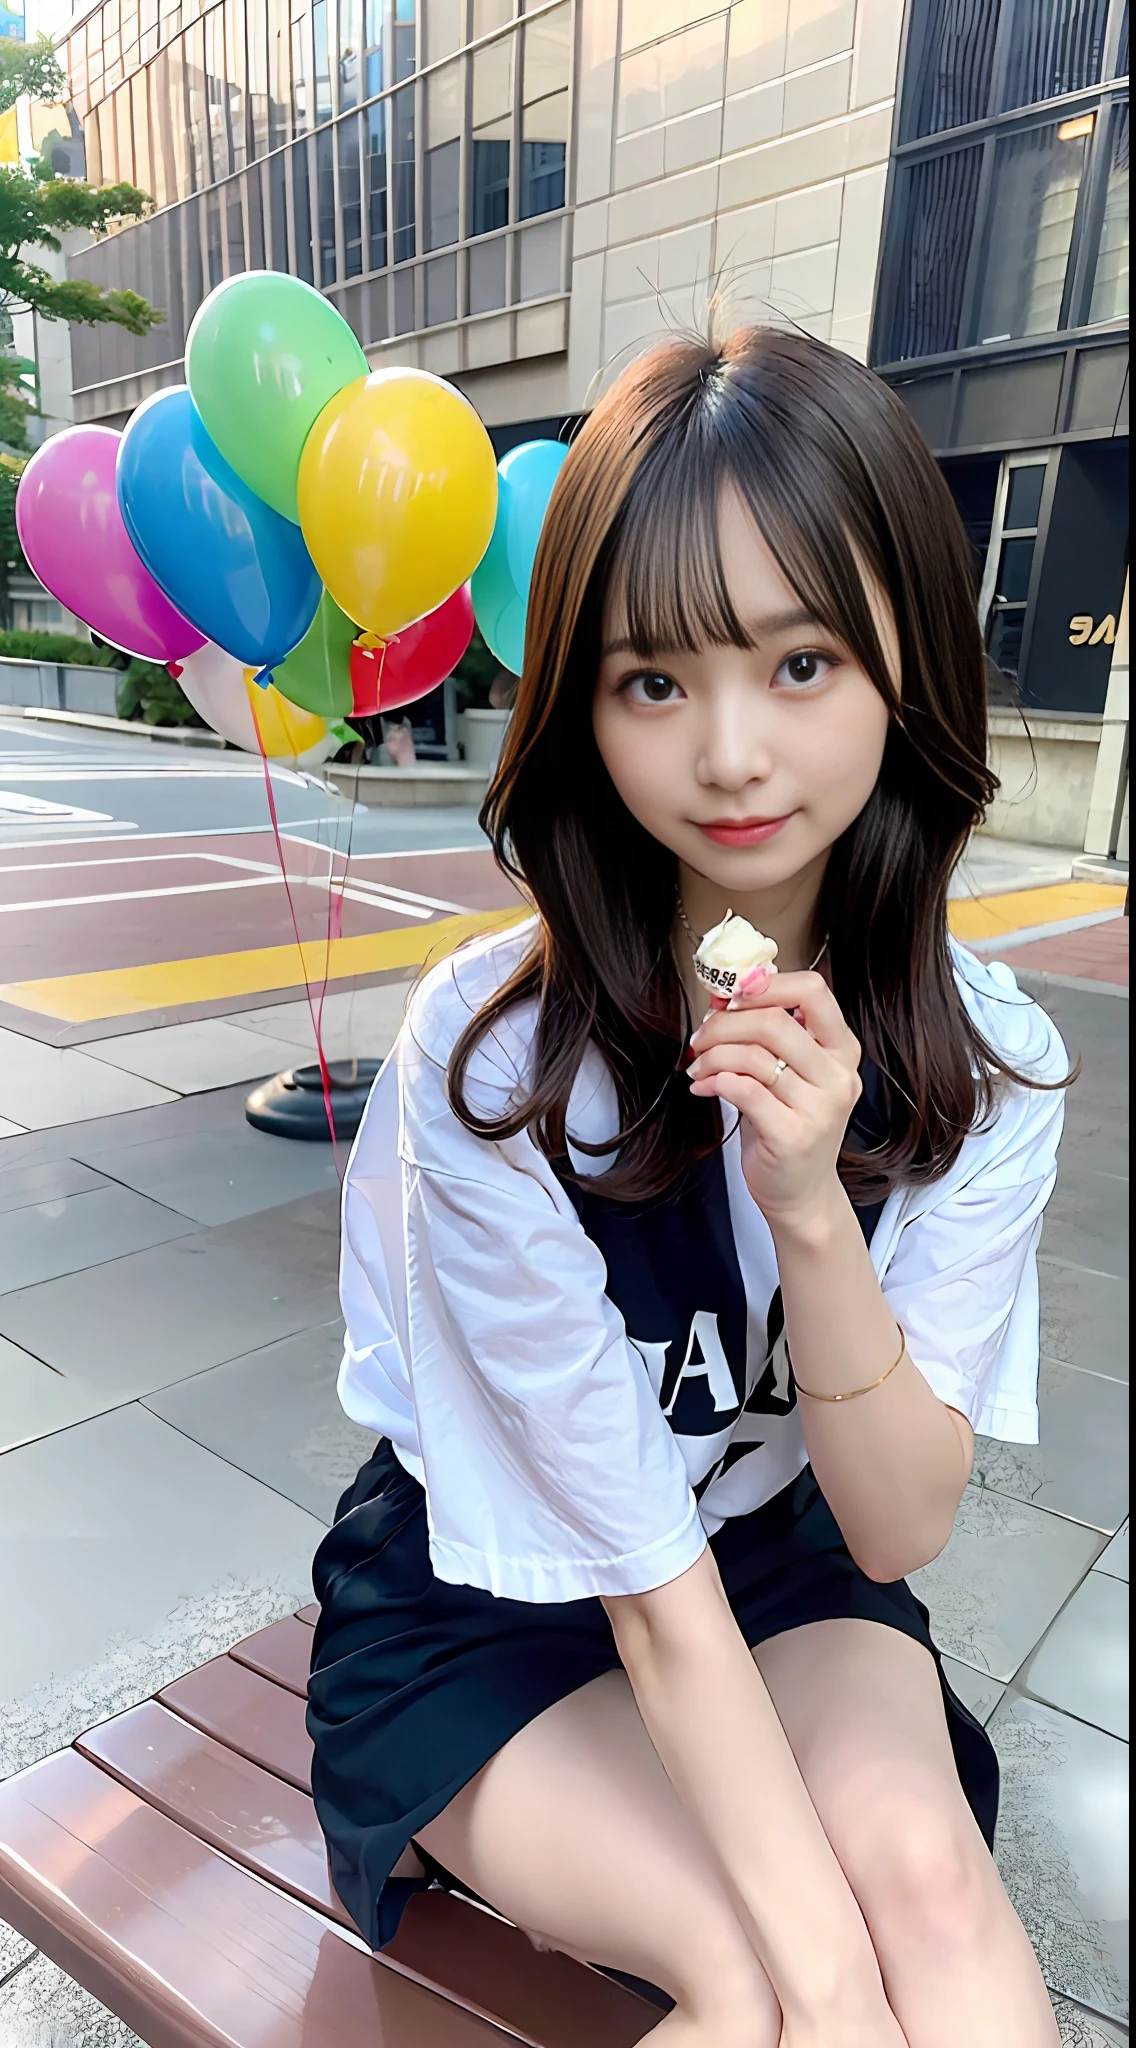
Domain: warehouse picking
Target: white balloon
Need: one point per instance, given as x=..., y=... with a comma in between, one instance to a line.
x=220, y=689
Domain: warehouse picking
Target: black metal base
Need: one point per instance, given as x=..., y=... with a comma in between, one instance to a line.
x=291, y=1105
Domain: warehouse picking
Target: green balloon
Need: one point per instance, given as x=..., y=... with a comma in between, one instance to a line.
x=317, y=673
x=264, y=355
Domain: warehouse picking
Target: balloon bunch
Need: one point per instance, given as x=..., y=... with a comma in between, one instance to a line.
x=289, y=531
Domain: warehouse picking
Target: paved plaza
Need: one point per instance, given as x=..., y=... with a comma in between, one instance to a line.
x=172, y=1448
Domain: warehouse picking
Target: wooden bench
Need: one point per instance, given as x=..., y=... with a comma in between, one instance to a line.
x=171, y=1862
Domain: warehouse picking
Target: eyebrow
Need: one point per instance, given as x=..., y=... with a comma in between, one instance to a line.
x=766, y=627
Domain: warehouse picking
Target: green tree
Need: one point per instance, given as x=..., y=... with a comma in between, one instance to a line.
x=36, y=207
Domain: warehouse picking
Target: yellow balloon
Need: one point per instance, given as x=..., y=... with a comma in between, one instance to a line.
x=397, y=494
x=286, y=732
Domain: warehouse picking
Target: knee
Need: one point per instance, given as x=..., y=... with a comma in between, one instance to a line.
x=926, y=1881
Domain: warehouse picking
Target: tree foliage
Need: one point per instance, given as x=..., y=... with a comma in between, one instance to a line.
x=31, y=68
x=33, y=215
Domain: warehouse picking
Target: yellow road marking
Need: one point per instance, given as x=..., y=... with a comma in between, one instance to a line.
x=166, y=984
x=990, y=917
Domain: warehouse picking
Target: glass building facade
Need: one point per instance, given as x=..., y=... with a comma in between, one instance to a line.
x=1002, y=315
x=408, y=157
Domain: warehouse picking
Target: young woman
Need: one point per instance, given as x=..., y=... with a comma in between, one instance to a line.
x=677, y=1326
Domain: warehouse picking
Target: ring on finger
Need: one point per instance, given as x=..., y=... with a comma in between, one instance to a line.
x=775, y=1076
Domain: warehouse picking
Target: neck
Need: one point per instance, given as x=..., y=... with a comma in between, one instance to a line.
x=786, y=912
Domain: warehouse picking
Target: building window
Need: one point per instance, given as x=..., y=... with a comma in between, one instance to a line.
x=350, y=197
x=442, y=23
x=1006, y=586
x=404, y=38
x=373, y=32
x=950, y=65
x=402, y=173
x=302, y=213
x=1056, y=46
x=350, y=53
x=323, y=65
x=325, y=206
x=1037, y=179
x=377, y=186
x=1110, y=280
x=938, y=198
x=492, y=96
x=544, y=145
x=441, y=160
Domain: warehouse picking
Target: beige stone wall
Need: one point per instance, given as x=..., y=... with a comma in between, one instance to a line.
x=736, y=153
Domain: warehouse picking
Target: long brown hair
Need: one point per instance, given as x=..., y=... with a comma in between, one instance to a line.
x=839, y=482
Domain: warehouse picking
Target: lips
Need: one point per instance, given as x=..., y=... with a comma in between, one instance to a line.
x=742, y=831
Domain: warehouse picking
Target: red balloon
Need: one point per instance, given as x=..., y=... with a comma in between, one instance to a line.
x=413, y=661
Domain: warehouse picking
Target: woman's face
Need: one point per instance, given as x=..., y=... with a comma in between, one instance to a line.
x=747, y=764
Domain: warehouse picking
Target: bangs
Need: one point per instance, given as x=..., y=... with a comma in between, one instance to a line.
x=666, y=584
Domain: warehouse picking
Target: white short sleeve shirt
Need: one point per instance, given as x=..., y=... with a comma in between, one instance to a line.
x=586, y=1391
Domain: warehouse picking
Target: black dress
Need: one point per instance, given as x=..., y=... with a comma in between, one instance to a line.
x=416, y=1683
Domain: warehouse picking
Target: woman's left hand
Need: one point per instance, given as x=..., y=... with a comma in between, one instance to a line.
x=794, y=1081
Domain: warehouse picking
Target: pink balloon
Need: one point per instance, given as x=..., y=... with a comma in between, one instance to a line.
x=73, y=535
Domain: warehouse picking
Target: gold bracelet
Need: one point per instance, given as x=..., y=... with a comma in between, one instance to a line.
x=854, y=1393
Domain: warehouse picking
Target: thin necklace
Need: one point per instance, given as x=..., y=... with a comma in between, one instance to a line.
x=698, y=936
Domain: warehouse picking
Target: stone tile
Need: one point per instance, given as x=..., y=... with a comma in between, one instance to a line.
x=1081, y=1665
x=216, y=1176
x=75, y=1231
x=139, y=1323
x=861, y=217
x=22, y=1186
x=1080, y=2028
x=219, y=1109
x=13, y=1950
x=819, y=95
x=37, y=1400
x=638, y=158
x=151, y=1554
x=210, y=1054
x=1080, y=1467
x=756, y=52
x=1086, y=1222
x=1114, y=1558
x=754, y=116
x=1005, y=1573
x=807, y=219
x=47, y=1084
x=1084, y=1318
x=276, y=1415
x=875, y=62
x=684, y=258
x=975, y=1689
x=41, y=2007
x=1062, y=1847
x=692, y=139
x=818, y=29
x=803, y=283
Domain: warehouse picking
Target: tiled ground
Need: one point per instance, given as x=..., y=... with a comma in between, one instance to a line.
x=169, y=1338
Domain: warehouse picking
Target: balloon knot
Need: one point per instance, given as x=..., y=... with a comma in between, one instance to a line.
x=369, y=641
x=263, y=678
x=174, y=669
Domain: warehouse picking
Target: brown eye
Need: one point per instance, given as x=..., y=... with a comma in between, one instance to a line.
x=804, y=668
x=651, y=688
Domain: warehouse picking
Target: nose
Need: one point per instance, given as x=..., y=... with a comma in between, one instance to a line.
x=734, y=743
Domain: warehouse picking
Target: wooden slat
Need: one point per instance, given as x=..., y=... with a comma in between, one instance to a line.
x=492, y=1969
x=248, y=1713
x=187, y=1949
x=219, y=1796
x=282, y=1652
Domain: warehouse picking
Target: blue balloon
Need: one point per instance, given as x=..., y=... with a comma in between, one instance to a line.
x=498, y=605
x=236, y=570
x=530, y=472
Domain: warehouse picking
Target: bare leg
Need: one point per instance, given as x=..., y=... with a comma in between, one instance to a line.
x=862, y=1708
x=574, y=1831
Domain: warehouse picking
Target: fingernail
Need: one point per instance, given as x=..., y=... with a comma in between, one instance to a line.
x=692, y=1070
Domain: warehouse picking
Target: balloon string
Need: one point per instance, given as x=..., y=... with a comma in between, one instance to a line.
x=315, y=1013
